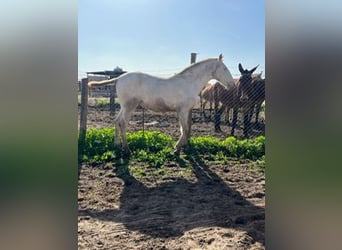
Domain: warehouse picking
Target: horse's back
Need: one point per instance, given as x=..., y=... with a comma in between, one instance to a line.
x=259, y=90
x=154, y=93
x=225, y=96
x=137, y=83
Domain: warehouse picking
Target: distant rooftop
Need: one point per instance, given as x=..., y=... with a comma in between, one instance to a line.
x=113, y=73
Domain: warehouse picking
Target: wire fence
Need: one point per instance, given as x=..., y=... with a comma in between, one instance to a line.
x=220, y=112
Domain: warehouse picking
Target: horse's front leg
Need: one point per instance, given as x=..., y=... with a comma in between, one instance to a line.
x=228, y=116
x=247, y=120
x=185, y=121
x=257, y=112
x=189, y=124
x=245, y=123
x=234, y=121
x=180, y=140
x=217, y=120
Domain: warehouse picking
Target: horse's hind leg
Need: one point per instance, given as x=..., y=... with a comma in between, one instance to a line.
x=201, y=107
x=123, y=127
x=204, y=115
x=127, y=111
x=203, y=104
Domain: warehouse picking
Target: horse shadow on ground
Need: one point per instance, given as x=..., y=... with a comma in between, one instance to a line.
x=172, y=208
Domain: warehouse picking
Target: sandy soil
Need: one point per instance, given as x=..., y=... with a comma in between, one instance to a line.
x=213, y=206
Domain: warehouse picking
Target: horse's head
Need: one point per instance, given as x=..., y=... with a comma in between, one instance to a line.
x=243, y=86
x=222, y=74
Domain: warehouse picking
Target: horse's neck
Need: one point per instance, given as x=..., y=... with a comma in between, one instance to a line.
x=198, y=77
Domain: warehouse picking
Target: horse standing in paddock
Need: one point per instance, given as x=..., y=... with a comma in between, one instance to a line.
x=257, y=97
x=245, y=99
x=228, y=98
x=217, y=93
x=178, y=93
x=208, y=94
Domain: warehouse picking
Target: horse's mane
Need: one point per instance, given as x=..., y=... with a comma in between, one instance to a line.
x=196, y=64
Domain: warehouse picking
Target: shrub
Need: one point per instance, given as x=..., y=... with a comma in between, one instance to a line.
x=98, y=141
x=101, y=103
x=155, y=148
x=251, y=149
x=205, y=145
x=150, y=141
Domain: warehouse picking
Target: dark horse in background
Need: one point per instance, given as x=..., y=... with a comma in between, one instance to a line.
x=247, y=96
x=250, y=94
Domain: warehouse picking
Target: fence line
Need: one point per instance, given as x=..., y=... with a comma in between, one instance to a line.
x=223, y=114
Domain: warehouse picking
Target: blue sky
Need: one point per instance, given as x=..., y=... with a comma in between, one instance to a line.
x=157, y=36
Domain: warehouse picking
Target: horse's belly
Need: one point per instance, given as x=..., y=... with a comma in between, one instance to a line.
x=158, y=105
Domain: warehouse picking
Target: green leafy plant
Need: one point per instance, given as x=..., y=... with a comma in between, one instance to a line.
x=155, y=148
x=150, y=141
x=101, y=103
x=98, y=142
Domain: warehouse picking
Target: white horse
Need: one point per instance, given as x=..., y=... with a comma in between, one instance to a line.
x=178, y=93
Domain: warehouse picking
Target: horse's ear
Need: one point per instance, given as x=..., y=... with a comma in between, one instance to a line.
x=242, y=71
x=220, y=57
x=252, y=70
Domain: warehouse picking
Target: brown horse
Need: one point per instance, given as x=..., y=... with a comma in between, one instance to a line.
x=247, y=98
x=215, y=92
x=229, y=99
x=206, y=95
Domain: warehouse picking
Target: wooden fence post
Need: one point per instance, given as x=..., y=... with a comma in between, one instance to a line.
x=83, y=115
x=193, y=58
x=83, y=121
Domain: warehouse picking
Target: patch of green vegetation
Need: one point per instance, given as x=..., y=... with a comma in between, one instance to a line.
x=139, y=171
x=261, y=163
x=155, y=149
x=101, y=103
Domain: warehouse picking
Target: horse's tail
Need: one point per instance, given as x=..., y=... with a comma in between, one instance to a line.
x=99, y=83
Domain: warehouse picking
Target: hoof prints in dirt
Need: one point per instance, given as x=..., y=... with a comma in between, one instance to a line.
x=178, y=213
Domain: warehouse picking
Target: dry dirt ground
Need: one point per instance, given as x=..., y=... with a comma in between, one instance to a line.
x=208, y=205
x=167, y=122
